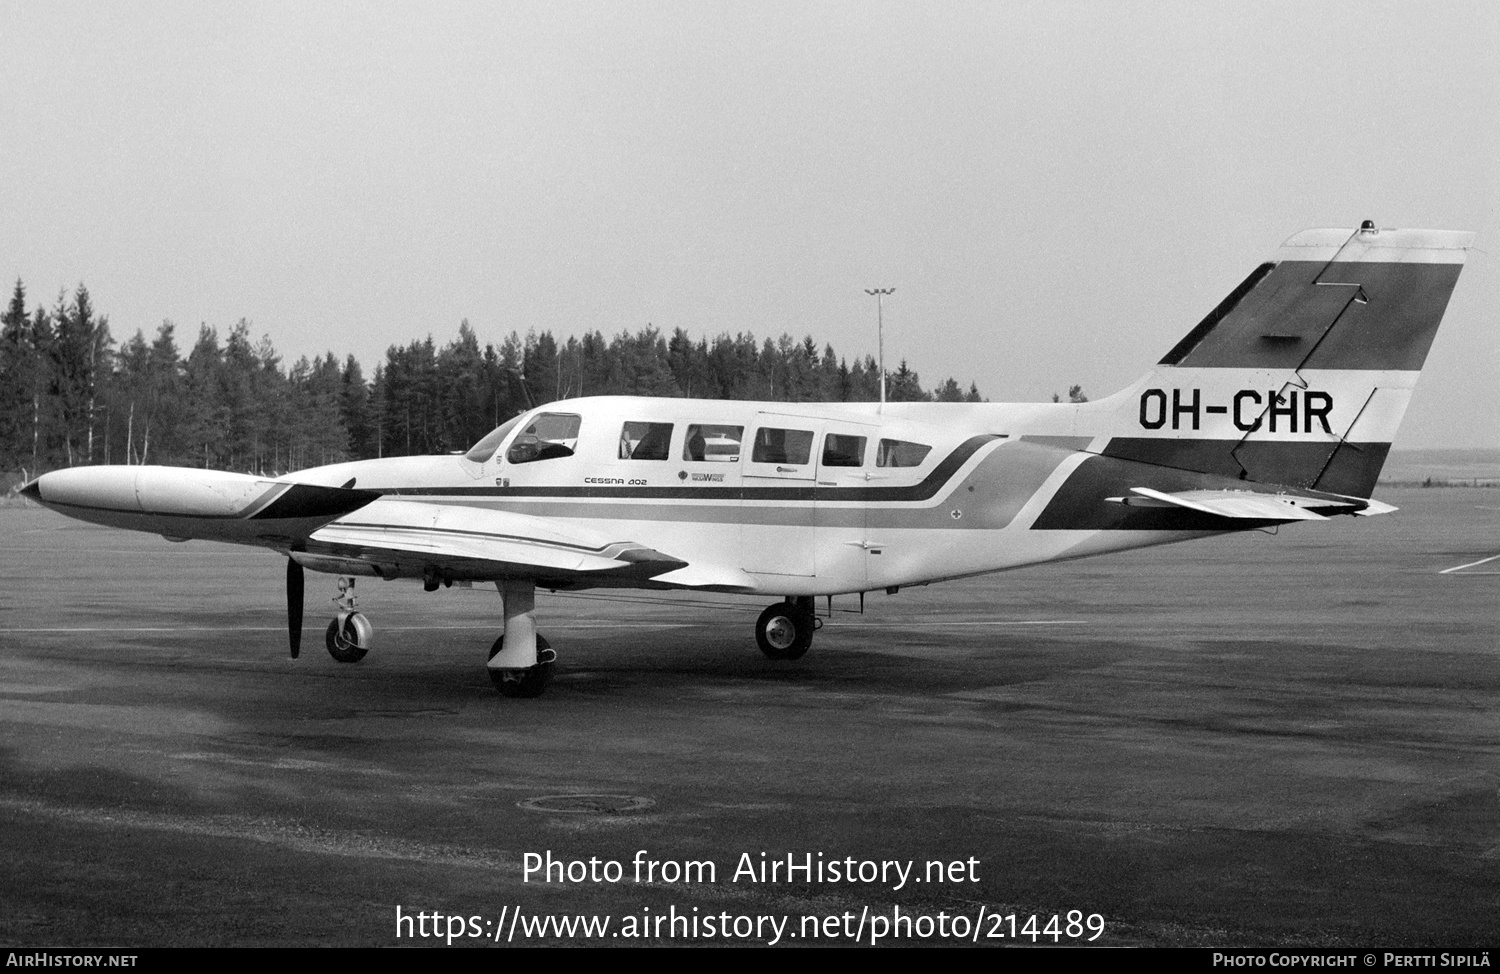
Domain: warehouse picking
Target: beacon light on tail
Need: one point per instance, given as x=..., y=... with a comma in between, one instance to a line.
x=1279, y=406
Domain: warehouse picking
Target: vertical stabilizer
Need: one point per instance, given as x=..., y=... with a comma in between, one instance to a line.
x=1302, y=374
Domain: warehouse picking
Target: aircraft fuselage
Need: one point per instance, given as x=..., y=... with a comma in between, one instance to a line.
x=803, y=499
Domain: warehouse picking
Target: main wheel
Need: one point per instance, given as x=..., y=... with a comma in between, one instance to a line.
x=528, y=681
x=784, y=631
x=349, y=638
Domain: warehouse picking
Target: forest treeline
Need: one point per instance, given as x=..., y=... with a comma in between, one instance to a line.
x=71, y=395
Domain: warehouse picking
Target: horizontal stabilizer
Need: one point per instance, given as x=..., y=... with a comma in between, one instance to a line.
x=1239, y=504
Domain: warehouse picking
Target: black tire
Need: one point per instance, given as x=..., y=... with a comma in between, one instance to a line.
x=344, y=641
x=528, y=682
x=784, y=631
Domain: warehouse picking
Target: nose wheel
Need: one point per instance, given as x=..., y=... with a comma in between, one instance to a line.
x=349, y=637
x=785, y=630
x=350, y=633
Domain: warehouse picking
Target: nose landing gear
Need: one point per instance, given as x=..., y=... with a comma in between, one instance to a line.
x=350, y=633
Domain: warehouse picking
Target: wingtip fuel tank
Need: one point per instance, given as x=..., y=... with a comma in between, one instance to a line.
x=180, y=502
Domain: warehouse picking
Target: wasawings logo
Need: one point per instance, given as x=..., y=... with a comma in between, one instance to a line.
x=1251, y=410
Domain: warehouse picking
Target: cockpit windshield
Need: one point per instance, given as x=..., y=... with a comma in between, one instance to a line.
x=482, y=451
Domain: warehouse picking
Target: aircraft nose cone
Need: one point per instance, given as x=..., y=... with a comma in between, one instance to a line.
x=33, y=489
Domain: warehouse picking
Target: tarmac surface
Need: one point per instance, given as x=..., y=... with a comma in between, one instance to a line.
x=1243, y=741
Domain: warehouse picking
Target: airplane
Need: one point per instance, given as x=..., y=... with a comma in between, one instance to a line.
x=1279, y=406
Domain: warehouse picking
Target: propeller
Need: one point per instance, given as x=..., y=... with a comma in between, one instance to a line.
x=294, y=586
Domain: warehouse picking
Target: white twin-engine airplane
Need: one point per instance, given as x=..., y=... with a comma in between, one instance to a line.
x=1279, y=406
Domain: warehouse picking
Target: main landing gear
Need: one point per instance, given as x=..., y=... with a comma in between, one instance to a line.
x=521, y=662
x=527, y=681
x=785, y=630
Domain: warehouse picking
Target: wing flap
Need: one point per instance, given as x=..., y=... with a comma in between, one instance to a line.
x=414, y=539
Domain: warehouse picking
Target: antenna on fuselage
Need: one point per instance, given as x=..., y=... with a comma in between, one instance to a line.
x=880, y=293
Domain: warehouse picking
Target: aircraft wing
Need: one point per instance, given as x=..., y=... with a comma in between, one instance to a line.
x=1254, y=505
x=363, y=532
x=448, y=542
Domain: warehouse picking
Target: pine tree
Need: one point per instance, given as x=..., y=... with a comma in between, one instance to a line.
x=354, y=409
x=905, y=385
x=460, y=367
x=539, y=367
x=949, y=392
x=163, y=421
x=205, y=413
x=18, y=373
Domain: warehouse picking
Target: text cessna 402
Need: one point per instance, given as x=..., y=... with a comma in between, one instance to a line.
x=1279, y=406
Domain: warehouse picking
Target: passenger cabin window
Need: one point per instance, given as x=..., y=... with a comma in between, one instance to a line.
x=716, y=444
x=547, y=436
x=842, y=450
x=482, y=451
x=645, y=441
x=782, y=446
x=900, y=453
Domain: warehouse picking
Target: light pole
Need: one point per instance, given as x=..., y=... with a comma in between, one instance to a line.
x=880, y=293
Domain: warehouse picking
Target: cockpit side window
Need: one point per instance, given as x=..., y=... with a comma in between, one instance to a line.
x=712, y=443
x=645, y=441
x=482, y=451
x=546, y=436
x=901, y=453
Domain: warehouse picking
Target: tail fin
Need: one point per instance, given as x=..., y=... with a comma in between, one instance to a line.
x=1301, y=376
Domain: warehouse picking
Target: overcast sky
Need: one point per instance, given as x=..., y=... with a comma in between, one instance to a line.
x=1058, y=192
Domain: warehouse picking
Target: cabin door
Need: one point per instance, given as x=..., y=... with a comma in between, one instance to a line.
x=778, y=469
x=846, y=456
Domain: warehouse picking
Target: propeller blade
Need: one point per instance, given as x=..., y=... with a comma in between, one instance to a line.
x=294, y=586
